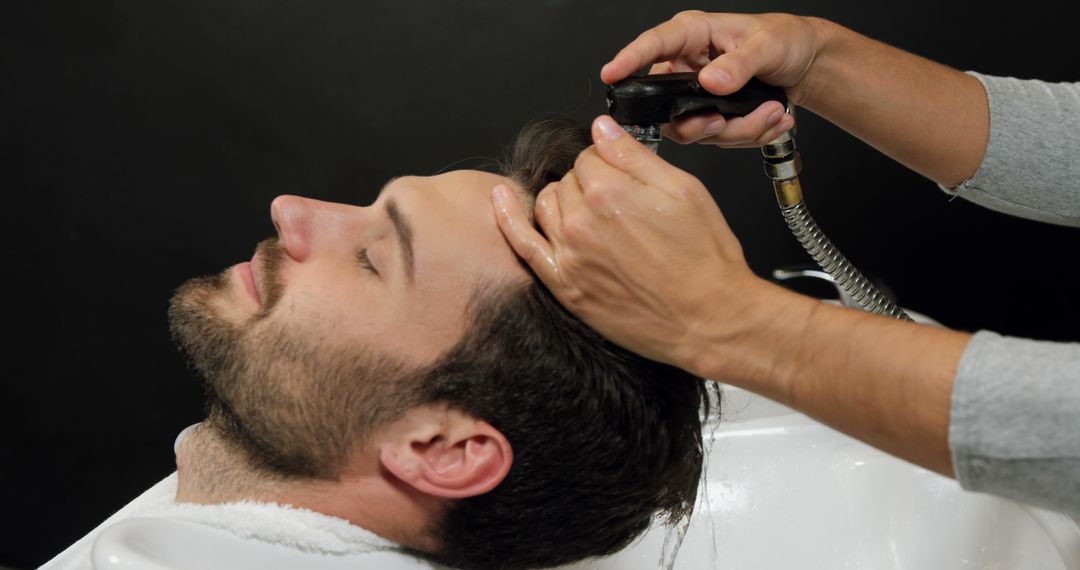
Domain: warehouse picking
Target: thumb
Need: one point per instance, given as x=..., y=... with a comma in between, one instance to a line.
x=731, y=70
x=625, y=153
x=526, y=242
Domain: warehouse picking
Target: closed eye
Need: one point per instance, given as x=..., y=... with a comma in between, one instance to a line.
x=365, y=262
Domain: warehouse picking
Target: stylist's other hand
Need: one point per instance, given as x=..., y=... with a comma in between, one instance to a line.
x=636, y=248
x=728, y=50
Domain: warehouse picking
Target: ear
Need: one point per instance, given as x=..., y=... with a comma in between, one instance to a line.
x=446, y=453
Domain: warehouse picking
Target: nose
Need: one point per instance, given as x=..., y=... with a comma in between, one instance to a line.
x=305, y=225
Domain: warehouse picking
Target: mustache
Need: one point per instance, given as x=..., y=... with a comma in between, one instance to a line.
x=271, y=256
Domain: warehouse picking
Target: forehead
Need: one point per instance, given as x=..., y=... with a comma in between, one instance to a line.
x=452, y=221
x=475, y=183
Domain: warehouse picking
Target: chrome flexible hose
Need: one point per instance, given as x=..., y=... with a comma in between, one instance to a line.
x=828, y=257
x=782, y=165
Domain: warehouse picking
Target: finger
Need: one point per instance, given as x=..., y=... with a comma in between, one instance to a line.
x=528, y=243
x=764, y=140
x=568, y=194
x=677, y=66
x=786, y=123
x=547, y=214
x=753, y=127
x=686, y=32
x=628, y=155
x=605, y=188
x=758, y=55
x=692, y=129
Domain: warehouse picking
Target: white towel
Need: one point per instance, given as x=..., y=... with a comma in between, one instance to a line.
x=301, y=529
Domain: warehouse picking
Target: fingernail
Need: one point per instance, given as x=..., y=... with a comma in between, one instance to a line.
x=774, y=118
x=608, y=128
x=715, y=127
x=719, y=76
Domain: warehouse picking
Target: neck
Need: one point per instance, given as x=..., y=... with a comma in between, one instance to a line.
x=211, y=470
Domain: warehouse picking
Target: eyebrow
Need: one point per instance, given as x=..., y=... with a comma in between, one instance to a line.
x=405, y=237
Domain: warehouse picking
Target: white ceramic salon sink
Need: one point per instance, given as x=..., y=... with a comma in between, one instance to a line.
x=784, y=491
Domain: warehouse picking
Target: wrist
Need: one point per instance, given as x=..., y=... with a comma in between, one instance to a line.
x=826, y=45
x=755, y=345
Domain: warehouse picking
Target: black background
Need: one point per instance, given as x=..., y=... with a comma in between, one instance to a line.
x=143, y=142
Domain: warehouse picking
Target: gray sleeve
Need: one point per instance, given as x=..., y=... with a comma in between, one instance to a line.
x=1030, y=168
x=1014, y=429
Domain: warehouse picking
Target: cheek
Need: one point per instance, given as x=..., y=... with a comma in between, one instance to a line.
x=343, y=311
x=333, y=305
x=336, y=305
x=420, y=330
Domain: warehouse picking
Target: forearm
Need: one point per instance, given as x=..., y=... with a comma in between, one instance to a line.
x=886, y=382
x=927, y=116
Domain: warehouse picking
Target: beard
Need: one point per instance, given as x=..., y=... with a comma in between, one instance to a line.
x=296, y=408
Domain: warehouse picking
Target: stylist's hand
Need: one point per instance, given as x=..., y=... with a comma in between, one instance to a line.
x=636, y=248
x=729, y=49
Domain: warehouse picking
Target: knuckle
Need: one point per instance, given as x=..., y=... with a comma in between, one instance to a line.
x=675, y=132
x=602, y=200
x=630, y=155
x=531, y=255
x=543, y=196
x=575, y=230
x=687, y=179
x=594, y=186
x=689, y=16
x=737, y=63
x=583, y=158
x=767, y=34
x=543, y=201
x=573, y=297
x=545, y=218
x=765, y=138
x=650, y=36
x=682, y=138
x=549, y=187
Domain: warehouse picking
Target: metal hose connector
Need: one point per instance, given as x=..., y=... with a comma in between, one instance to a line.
x=782, y=165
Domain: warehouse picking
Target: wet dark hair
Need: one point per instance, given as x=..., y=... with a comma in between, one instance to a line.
x=604, y=440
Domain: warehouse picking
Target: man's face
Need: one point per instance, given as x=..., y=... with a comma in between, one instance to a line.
x=301, y=347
